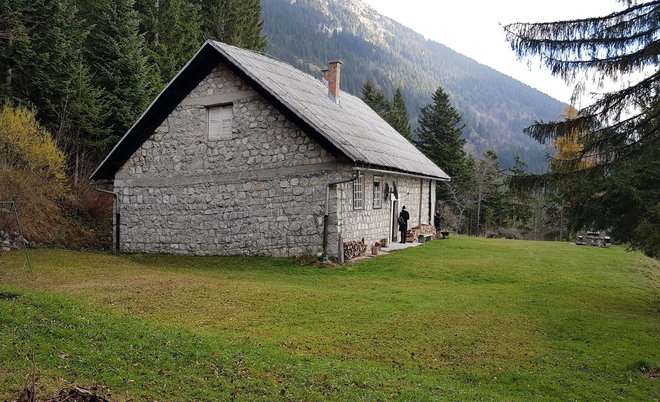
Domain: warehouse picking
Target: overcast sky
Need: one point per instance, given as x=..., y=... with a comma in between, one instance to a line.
x=472, y=27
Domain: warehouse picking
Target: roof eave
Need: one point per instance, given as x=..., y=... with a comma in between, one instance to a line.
x=388, y=170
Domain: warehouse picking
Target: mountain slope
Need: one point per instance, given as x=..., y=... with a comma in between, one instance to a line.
x=495, y=107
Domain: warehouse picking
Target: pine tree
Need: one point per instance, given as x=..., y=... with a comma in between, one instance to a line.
x=517, y=199
x=36, y=65
x=172, y=31
x=625, y=202
x=620, y=131
x=438, y=135
x=236, y=22
x=117, y=60
x=393, y=111
x=621, y=46
x=398, y=115
x=44, y=66
x=375, y=98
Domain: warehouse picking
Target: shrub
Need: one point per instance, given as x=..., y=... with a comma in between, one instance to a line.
x=32, y=173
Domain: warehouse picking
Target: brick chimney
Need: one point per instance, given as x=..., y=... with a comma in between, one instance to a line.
x=333, y=76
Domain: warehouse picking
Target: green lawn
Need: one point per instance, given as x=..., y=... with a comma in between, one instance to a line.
x=455, y=319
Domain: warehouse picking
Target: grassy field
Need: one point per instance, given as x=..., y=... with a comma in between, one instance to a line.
x=455, y=319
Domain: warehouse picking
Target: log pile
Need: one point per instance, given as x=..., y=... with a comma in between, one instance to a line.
x=10, y=240
x=413, y=233
x=354, y=248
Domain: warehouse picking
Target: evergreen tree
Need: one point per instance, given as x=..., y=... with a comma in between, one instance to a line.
x=44, y=66
x=517, y=199
x=116, y=52
x=620, y=131
x=398, y=115
x=236, y=22
x=35, y=66
x=375, y=98
x=625, y=201
x=438, y=135
x=392, y=111
x=172, y=31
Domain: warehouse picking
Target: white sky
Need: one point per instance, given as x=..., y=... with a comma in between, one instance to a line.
x=472, y=28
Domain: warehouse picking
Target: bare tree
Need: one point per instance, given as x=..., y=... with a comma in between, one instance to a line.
x=487, y=181
x=461, y=201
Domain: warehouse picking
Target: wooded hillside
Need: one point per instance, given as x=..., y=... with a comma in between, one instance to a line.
x=495, y=108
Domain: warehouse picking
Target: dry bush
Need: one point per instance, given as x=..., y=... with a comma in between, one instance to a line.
x=89, y=216
x=449, y=219
x=32, y=174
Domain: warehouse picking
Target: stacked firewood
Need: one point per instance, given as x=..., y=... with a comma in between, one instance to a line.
x=413, y=233
x=10, y=240
x=354, y=248
x=375, y=249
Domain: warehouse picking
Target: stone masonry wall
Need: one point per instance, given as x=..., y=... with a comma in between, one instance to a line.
x=259, y=193
x=374, y=224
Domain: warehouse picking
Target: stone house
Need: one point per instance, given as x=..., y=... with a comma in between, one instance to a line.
x=242, y=154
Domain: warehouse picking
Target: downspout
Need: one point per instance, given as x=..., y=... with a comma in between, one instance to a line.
x=421, y=193
x=115, y=213
x=326, y=213
x=431, y=210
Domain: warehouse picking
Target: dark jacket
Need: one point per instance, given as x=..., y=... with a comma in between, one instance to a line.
x=436, y=222
x=403, y=223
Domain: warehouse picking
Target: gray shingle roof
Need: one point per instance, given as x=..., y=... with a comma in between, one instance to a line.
x=352, y=126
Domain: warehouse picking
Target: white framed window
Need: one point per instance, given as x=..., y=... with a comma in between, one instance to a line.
x=378, y=193
x=358, y=192
x=220, y=122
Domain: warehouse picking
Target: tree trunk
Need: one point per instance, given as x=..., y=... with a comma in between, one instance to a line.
x=157, y=6
x=479, y=196
x=561, y=222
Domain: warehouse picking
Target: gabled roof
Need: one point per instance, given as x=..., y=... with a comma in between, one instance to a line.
x=349, y=128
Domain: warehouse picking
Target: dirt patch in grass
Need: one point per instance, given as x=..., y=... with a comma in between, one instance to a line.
x=8, y=295
x=649, y=370
x=71, y=393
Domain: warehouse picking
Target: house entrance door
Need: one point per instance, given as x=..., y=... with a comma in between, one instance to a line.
x=395, y=224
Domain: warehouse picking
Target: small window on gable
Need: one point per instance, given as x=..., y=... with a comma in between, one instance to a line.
x=358, y=192
x=220, y=122
x=378, y=193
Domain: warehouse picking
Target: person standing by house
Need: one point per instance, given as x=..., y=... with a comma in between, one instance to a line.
x=437, y=221
x=403, y=223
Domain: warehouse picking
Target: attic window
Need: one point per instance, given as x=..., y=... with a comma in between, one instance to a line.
x=220, y=122
x=358, y=192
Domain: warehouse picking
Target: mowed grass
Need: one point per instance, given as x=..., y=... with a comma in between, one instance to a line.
x=455, y=319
